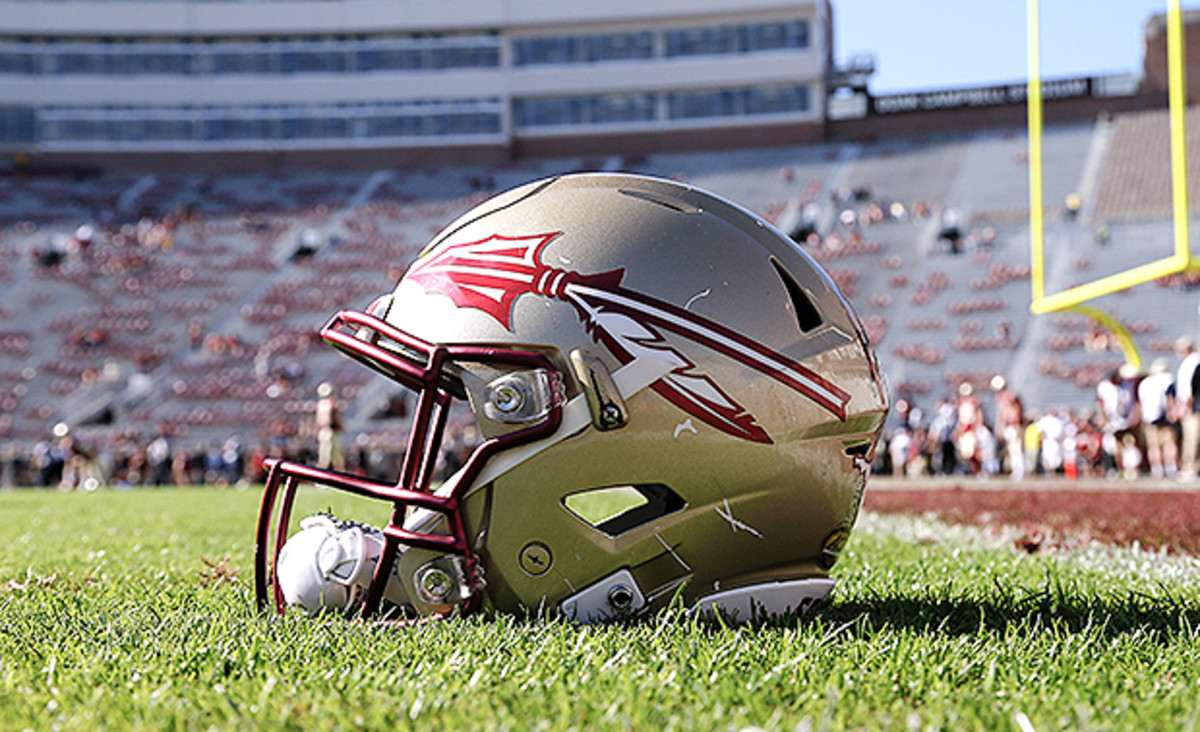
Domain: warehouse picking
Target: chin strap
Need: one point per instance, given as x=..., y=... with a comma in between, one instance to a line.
x=328, y=565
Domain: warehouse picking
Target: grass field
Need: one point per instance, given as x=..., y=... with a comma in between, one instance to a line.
x=133, y=610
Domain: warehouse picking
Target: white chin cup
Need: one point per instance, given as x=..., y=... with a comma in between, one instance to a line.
x=766, y=600
x=326, y=567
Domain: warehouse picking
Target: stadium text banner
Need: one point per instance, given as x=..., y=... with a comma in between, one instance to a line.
x=990, y=96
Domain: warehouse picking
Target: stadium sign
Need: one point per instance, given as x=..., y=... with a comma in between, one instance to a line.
x=988, y=96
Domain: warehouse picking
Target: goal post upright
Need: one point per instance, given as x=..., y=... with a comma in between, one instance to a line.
x=1181, y=260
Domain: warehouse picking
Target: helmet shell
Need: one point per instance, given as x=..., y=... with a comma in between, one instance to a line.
x=751, y=451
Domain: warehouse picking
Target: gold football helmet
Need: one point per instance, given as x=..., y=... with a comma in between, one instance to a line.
x=673, y=400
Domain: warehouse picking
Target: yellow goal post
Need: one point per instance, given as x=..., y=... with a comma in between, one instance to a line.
x=1180, y=260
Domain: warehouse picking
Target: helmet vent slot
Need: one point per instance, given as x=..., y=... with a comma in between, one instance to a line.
x=859, y=449
x=808, y=318
x=674, y=204
x=618, y=509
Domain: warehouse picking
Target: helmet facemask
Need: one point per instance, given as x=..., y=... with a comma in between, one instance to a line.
x=522, y=395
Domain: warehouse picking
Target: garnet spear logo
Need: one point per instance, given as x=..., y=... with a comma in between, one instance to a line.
x=489, y=275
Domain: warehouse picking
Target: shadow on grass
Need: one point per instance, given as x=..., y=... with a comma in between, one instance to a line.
x=1155, y=618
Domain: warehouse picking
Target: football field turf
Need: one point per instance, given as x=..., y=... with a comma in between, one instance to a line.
x=133, y=610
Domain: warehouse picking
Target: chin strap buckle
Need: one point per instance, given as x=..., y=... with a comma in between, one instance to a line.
x=448, y=580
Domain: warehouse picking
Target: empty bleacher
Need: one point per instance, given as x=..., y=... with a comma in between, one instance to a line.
x=196, y=302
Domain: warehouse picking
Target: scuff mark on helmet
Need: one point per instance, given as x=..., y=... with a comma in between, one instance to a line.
x=733, y=522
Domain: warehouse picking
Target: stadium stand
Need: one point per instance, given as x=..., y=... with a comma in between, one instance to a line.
x=138, y=303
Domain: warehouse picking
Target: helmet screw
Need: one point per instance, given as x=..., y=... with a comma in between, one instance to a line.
x=507, y=399
x=435, y=583
x=611, y=415
x=620, y=597
x=536, y=559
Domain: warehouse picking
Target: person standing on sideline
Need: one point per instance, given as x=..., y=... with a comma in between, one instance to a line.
x=1117, y=406
x=1189, y=409
x=1156, y=397
x=329, y=429
x=1010, y=425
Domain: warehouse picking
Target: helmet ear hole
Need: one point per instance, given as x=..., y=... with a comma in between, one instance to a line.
x=615, y=510
x=808, y=318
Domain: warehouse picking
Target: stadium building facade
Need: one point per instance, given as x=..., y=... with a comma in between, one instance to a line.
x=115, y=80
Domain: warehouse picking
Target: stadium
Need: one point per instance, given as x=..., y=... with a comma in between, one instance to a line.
x=190, y=188
x=190, y=299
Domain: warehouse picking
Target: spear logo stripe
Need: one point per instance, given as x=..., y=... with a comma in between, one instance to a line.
x=490, y=274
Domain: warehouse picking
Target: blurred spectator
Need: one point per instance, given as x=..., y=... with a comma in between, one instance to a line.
x=968, y=420
x=1131, y=457
x=329, y=429
x=11, y=466
x=158, y=457
x=898, y=450
x=80, y=469
x=1189, y=410
x=941, y=432
x=1116, y=400
x=1032, y=440
x=1156, y=400
x=1010, y=423
x=1087, y=445
x=48, y=460
x=233, y=459
x=1052, y=431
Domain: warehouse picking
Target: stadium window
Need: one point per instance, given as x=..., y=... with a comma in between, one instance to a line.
x=466, y=123
x=364, y=59
x=624, y=108
x=78, y=130
x=687, y=42
x=384, y=58
x=737, y=102
x=316, y=127
x=619, y=47
x=549, y=50
x=393, y=126
x=767, y=37
x=291, y=61
x=16, y=58
x=592, y=110
x=725, y=39
x=160, y=62
x=213, y=129
x=17, y=124
x=459, y=57
x=767, y=101
x=73, y=62
x=445, y=58
x=521, y=113
x=167, y=129
x=376, y=126
x=731, y=39
x=241, y=61
x=798, y=33
x=801, y=98
x=540, y=112
x=220, y=127
x=125, y=62
x=722, y=39
x=520, y=53
x=686, y=105
x=126, y=130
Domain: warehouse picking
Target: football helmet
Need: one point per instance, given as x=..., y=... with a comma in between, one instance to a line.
x=673, y=400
